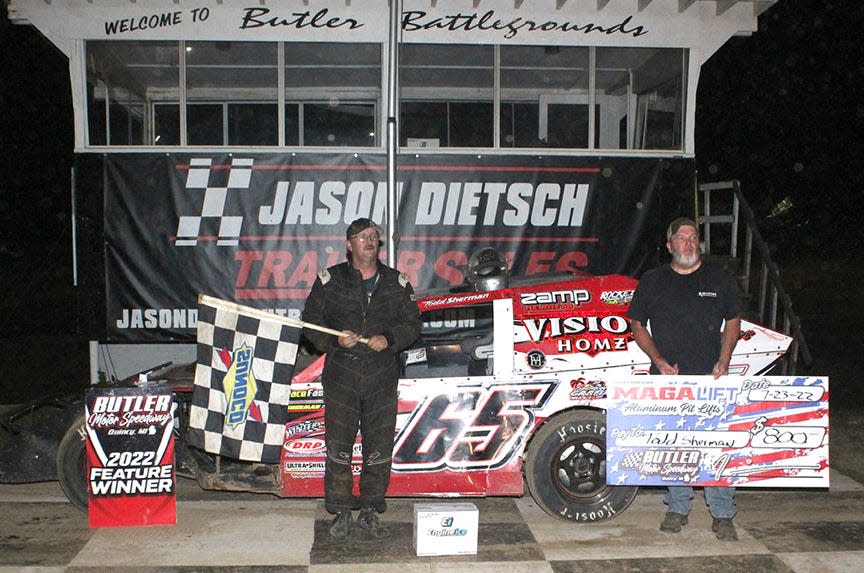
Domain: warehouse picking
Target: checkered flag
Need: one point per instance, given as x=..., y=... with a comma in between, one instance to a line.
x=632, y=460
x=242, y=380
x=212, y=220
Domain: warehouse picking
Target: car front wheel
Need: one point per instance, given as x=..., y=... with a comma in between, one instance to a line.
x=565, y=469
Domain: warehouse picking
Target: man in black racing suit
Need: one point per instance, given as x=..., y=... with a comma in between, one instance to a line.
x=374, y=306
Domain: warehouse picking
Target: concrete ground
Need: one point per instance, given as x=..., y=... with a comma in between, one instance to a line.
x=779, y=530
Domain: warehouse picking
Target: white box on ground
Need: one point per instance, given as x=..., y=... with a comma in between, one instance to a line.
x=445, y=528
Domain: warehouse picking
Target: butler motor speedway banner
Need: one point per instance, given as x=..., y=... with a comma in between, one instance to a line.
x=770, y=431
x=130, y=457
x=255, y=229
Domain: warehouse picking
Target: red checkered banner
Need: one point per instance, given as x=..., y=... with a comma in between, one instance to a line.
x=256, y=228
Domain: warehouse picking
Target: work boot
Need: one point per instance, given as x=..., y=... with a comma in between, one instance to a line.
x=673, y=522
x=368, y=521
x=342, y=523
x=724, y=529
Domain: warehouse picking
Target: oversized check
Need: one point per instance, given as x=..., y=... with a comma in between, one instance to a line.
x=769, y=431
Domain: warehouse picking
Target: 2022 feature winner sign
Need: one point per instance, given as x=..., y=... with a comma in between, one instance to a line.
x=768, y=431
x=130, y=457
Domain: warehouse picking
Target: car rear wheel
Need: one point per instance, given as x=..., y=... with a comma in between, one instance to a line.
x=72, y=464
x=565, y=469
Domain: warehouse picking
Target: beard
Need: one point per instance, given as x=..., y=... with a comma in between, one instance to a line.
x=686, y=261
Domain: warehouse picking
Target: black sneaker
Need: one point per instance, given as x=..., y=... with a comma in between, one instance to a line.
x=673, y=522
x=724, y=529
x=368, y=521
x=342, y=523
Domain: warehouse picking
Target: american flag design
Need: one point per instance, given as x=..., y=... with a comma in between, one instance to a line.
x=768, y=431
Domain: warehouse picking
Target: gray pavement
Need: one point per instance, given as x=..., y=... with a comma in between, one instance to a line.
x=779, y=530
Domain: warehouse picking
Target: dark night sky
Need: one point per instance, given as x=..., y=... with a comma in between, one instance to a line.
x=781, y=110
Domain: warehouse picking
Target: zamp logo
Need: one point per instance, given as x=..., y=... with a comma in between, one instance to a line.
x=225, y=227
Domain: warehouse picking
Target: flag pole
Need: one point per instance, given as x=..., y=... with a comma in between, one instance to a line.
x=258, y=313
x=392, y=129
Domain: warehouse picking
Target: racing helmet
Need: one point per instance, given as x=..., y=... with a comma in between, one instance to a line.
x=487, y=270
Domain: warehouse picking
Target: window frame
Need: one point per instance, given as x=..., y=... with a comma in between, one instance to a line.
x=602, y=110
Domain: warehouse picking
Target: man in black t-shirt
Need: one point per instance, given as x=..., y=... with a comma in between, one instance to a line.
x=692, y=309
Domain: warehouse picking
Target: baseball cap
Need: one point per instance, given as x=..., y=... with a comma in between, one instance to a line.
x=677, y=224
x=359, y=225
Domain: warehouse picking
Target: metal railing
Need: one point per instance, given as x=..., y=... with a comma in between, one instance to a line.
x=770, y=305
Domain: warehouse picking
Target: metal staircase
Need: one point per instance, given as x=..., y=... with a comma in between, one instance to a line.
x=758, y=277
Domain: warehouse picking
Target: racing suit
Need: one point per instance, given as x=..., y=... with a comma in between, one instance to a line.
x=360, y=385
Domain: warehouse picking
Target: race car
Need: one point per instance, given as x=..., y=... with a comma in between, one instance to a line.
x=504, y=389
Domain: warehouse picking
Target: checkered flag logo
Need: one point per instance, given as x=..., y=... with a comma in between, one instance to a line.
x=632, y=460
x=242, y=380
x=213, y=220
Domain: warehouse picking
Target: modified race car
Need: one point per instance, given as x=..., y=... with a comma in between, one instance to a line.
x=504, y=389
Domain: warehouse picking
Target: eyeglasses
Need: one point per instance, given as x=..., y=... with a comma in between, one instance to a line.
x=368, y=238
x=685, y=238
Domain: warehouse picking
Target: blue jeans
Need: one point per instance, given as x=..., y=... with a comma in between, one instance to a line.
x=720, y=500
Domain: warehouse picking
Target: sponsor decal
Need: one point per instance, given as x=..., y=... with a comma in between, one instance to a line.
x=558, y=298
x=303, y=468
x=446, y=529
x=454, y=300
x=305, y=406
x=305, y=427
x=718, y=393
x=535, y=359
x=317, y=393
x=304, y=446
x=678, y=465
x=585, y=334
x=617, y=296
x=240, y=386
x=455, y=532
x=540, y=329
x=583, y=389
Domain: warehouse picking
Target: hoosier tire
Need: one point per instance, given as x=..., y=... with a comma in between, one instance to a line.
x=565, y=469
x=72, y=464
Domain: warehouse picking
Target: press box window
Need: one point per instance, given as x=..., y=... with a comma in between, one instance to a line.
x=446, y=94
